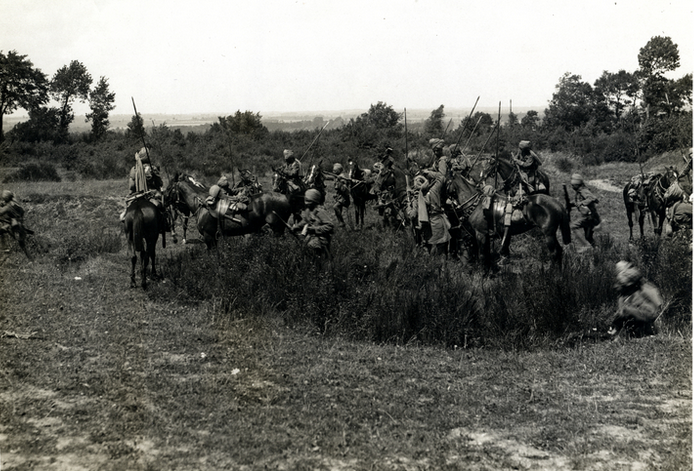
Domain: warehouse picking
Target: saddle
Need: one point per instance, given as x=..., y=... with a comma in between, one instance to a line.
x=227, y=209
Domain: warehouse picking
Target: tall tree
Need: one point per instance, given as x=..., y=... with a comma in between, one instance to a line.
x=619, y=90
x=530, y=121
x=101, y=103
x=572, y=103
x=69, y=83
x=21, y=85
x=658, y=56
x=433, y=126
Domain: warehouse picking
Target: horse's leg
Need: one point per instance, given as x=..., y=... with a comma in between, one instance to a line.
x=144, y=261
x=631, y=222
x=133, y=264
x=152, y=257
x=642, y=220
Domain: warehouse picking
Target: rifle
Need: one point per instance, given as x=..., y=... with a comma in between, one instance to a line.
x=567, y=199
x=286, y=224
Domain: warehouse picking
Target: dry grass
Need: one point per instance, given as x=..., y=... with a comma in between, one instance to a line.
x=94, y=375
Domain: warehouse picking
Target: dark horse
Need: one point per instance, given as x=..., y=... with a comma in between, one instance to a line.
x=510, y=175
x=541, y=211
x=360, y=191
x=646, y=194
x=265, y=211
x=390, y=188
x=142, y=227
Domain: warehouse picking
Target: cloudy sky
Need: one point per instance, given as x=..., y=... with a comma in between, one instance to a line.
x=219, y=56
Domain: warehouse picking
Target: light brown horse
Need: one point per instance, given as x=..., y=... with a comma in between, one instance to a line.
x=541, y=211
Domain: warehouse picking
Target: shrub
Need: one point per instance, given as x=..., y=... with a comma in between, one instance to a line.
x=34, y=171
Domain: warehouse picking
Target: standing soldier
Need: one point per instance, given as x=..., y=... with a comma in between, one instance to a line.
x=342, y=186
x=315, y=225
x=583, y=224
x=429, y=184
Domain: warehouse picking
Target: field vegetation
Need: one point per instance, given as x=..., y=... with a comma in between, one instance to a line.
x=251, y=356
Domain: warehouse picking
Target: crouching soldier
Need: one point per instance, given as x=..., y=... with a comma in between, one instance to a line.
x=315, y=225
x=639, y=302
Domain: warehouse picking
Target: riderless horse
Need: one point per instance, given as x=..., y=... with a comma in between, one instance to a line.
x=646, y=194
x=266, y=211
x=142, y=227
x=541, y=211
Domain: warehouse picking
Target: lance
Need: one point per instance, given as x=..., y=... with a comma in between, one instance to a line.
x=444, y=131
x=498, y=131
x=286, y=224
x=462, y=131
x=314, y=140
x=407, y=157
x=142, y=134
x=482, y=149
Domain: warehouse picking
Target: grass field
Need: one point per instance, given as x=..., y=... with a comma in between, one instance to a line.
x=94, y=375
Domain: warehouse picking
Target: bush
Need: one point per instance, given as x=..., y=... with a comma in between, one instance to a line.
x=35, y=171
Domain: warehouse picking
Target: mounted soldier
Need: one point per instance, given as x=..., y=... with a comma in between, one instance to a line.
x=440, y=162
x=225, y=201
x=145, y=181
x=527, y=162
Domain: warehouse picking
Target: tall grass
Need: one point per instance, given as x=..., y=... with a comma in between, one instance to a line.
x=381, y=288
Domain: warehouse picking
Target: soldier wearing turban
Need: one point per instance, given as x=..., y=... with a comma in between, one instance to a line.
x=584, y=223
x=315, y=224
x=639, y=302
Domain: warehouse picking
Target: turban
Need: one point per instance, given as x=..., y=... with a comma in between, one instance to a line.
x=627, y=274
x=7, y=195
x=576, y=179
x=312, y=196
x=222, y=182
x=524, y=145
x=436, y=143
x=337, y=168
x=288, y=153
x=142, y=155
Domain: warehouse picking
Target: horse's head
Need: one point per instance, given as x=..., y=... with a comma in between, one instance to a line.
x=462, y=188
x=354, y=172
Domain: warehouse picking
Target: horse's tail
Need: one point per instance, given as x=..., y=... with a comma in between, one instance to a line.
x=137, y=232
x=565, y=227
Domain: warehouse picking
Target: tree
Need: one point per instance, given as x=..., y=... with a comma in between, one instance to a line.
x=101, y=103
x=530, y=121
x=246, y=123
x=658, y=56
x=41, y=126
x=619, y=90
x=21, y=85
x=572, y=104
x=382, y=116
x=68, y=84
x=433, y=126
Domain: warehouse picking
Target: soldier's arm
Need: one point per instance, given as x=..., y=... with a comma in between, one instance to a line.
x=322, y=224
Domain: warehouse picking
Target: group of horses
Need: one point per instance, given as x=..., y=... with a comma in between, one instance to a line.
x=474, y=224
x=646, y=195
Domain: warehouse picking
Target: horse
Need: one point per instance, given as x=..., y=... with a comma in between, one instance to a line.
x=360, y=191
x=315, y=179
x=390, y=189
x=510, y=174
x=265, y=211
x=646, y=193
x=142, y=227
x=293, y=191
x=541, y=211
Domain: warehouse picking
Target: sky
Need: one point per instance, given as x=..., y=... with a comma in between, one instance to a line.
x=220, y=56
